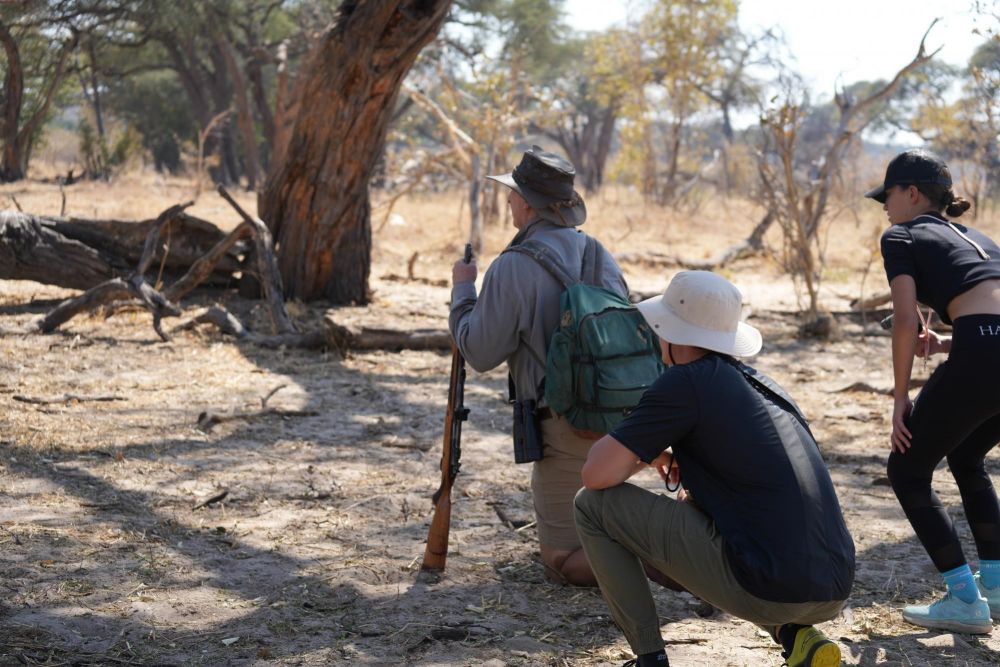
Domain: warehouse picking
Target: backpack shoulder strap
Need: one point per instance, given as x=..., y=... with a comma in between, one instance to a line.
x=590, y=272
x=545, y=258
x=766, y=387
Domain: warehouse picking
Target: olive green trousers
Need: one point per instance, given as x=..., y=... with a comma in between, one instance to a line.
x=620, y=525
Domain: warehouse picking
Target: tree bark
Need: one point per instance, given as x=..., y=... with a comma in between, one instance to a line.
x=16, y=137
x=33, y=250
x=10, y=162
x=81, y=253
x=244, y=117
x=316, y=199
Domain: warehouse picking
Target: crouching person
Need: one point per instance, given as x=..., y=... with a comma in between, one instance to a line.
x=764, y=538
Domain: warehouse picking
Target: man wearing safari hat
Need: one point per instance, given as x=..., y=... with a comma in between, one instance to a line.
x=513, y=319
x=763, y=538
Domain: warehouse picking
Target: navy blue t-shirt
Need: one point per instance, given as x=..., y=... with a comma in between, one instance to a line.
x=756, y=471
x=942, y=263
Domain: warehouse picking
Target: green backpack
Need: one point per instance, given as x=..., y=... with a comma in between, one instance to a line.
x=603, y=356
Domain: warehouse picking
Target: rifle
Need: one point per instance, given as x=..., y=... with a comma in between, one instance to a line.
x=437, y=536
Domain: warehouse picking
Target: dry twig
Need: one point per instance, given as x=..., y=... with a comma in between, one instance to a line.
x=212, y=499
x=66, y=398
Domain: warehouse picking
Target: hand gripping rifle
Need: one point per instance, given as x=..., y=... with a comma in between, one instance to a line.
x=437, y=536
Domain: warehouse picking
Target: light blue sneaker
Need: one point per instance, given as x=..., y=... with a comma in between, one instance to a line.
x=992, y=596
x=950, y=613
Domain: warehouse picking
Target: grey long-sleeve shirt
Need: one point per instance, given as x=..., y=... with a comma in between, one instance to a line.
x=514, y=317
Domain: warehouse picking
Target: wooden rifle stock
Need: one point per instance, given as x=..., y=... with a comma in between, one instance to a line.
x=437, y=537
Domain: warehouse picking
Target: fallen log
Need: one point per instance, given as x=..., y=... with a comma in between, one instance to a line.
x=333, y=336
x=162, y=304
x=342, y=338
x=31, y=250
x=117, y=289
x=79, y=253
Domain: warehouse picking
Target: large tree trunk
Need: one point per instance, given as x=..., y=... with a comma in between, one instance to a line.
x=17, y=137
x=11, y=163
x=316, y=199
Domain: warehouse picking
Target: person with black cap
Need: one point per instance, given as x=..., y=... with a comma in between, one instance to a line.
x=955, y=270
x=767, y=541
x=513, y=319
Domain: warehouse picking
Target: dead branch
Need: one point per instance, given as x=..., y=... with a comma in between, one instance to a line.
x=871, y=389
x=229, y=324
x=116, y=289
x=208, y=420
x=459, y=139
x=433, y=282
x=202, y=138
x=505, y=519
x=112, y=290
x=153, y=237
x=217, y=497
x=220, y=317
x=342, y=338
x=66, y=398
x=265, y=399
x=410, y=264
x=106, y=292
x=396, y=442
x=748, y=247
x=267, y=266
x=333, y=336
x=864, y=387
x=203, y=267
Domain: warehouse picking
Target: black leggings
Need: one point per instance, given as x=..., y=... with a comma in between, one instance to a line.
x=957, y=415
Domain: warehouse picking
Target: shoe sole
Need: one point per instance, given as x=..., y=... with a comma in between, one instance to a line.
x=954, y=626
x=826, y=654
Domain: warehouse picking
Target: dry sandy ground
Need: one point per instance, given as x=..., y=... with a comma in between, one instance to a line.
x=312, y=557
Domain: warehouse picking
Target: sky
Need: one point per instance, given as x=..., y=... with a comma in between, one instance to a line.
x=833, y=41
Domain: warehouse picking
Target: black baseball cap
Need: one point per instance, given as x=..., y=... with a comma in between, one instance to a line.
x=914, y=167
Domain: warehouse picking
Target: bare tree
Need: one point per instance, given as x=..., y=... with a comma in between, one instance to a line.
x=799, y=200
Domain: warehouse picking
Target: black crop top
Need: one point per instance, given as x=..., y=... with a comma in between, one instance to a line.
x=942, y=263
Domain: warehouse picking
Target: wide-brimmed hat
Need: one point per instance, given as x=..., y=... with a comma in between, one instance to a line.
x=702, y=309
x=913, y=167
x=545, y=180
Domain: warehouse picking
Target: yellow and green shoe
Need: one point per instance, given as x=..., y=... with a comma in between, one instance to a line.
x=813, y=649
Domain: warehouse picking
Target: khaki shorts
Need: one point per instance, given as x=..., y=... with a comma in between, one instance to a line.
x=554, y=483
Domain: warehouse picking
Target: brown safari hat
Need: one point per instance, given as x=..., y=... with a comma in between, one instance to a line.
x=545, y=180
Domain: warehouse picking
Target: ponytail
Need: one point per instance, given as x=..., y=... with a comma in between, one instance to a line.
x=957, y=207
x=944, y=199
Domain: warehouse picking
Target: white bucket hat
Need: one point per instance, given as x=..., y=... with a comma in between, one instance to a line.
x=702, y=309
